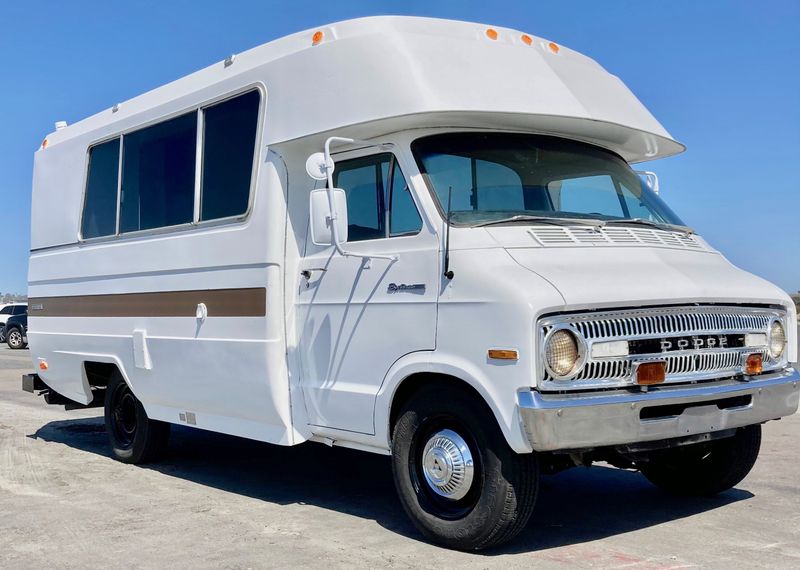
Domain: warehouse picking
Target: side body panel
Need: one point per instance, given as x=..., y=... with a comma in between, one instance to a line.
x=225, y=372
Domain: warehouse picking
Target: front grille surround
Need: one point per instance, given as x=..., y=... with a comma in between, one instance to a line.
x=686, y=365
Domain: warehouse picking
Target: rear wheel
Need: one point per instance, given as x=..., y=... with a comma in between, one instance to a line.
x=134, y=437
x=705, y=468
x=15, y=339
x=457, y=479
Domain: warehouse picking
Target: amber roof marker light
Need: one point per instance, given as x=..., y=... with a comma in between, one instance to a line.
x=526, y=39
x=553, y=47
x=317, y=37
x=491, y=33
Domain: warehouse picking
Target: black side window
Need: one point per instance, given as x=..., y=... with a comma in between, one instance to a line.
x=158, y=171
x=379, y=203
x=20, y=309
x=229, y=140
x=100, y=203
x=6, y=310
x=158, y=175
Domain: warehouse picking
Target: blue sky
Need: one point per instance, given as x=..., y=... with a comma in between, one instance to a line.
x=722, y=76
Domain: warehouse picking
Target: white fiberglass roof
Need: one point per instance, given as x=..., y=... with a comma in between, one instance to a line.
x=388, y=73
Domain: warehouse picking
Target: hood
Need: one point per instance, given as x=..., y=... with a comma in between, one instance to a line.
x=623, y=266
x=591, y=277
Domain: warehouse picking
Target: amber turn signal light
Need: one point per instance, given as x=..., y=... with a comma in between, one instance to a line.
x=754, y=364
x=503, y=354
x=649, y=373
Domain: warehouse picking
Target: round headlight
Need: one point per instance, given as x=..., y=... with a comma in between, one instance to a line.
x=562, y=353
x=777, y=339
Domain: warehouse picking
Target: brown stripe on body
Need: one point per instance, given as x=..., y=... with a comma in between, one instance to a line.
x=251, y=302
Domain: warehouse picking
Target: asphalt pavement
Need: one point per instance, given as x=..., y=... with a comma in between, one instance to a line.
x=224, y=502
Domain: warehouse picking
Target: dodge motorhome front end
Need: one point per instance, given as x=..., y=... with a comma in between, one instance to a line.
x=468, y=276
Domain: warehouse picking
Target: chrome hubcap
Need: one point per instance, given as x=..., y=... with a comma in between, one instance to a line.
x=447, y=465
x=15, y=338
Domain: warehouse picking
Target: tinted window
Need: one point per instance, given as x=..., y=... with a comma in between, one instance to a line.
x=20, y=309
x=363, y=181
x=404, y=217
x=636, y=206
x=229, y=140
x=494, y=176
x=158, y=166
x=6, y=310
x=376, y=190
x=587, y=195
x=100, y=202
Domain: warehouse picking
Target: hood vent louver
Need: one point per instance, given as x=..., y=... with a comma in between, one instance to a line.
x=617, y=236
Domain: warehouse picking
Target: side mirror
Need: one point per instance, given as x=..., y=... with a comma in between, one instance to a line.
x=649, y=179
x=320, y=212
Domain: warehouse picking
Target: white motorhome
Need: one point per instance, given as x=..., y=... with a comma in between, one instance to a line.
x=414, y=237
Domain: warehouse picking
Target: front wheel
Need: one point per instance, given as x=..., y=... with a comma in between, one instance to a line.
x=15, y=339
x=457, y=478
x=705, y=469
x=134, y=437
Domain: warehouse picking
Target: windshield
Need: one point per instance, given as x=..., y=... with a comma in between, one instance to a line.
x=493, y=176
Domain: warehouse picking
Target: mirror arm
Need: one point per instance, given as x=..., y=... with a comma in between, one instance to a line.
x=334, y=215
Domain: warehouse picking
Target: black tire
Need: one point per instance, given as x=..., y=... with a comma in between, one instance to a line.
x=16, y=338
x=2, y=333
x=502, y=495
x=133, y=436
x=705, y=469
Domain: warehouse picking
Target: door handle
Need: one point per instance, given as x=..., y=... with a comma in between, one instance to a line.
x=306, y=273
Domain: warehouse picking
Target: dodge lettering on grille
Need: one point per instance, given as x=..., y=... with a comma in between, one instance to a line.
x=693, y=343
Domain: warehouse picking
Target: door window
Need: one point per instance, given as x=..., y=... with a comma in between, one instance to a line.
x=379, y=202
x=6, y=310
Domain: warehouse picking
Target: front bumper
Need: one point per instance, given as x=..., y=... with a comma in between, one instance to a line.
x=579, y=421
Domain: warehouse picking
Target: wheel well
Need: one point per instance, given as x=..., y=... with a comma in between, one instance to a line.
x=99, y=373
x=412, y=384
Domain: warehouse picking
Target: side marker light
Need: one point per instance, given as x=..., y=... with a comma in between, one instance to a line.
x=503, y=354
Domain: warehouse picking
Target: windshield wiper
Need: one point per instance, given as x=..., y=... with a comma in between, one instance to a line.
x=651, y=224
x=543, y=220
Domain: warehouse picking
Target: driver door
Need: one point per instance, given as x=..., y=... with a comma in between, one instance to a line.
x=358, y=316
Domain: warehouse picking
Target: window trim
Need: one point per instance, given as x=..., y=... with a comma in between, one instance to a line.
x=260, y=88
x=386, y=198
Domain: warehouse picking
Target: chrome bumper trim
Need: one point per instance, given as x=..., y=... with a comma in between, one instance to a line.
x=575, y=421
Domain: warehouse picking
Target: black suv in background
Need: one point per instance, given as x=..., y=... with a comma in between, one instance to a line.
x=7, y=311
x=16, y=331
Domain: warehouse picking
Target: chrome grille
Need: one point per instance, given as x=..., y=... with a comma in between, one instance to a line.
x=664, y=323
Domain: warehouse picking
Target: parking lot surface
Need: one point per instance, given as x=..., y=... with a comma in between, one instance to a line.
x=224, y=502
